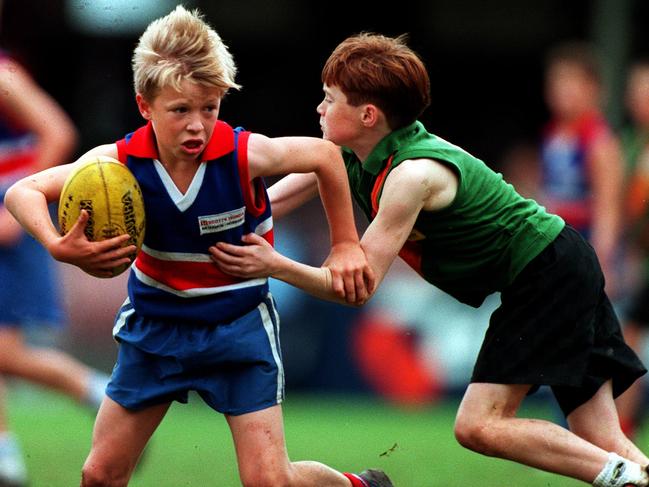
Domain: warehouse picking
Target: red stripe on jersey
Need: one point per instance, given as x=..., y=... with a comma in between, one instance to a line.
x=255, y=201
x=378, y=186
x=269, y=236
x=183, y=275
x=411, y=254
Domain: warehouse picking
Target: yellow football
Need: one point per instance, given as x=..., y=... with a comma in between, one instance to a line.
x=109, y=192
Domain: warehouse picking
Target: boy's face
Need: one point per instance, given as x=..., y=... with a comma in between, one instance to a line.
x=340, y=122
x=183, y=120
x=569, y=91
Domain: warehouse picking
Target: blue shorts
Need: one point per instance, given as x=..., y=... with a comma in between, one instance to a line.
x=29, y=291
x=236, y=368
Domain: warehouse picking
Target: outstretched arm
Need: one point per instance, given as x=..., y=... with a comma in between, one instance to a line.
x=30, y=107
x=413, y=186
x=351, y=272
x=27, y=201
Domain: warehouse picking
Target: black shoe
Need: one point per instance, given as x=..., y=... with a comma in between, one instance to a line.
x=375, y=478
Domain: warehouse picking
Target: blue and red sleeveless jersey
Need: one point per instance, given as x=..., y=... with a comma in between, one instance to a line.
x=566, y=172
x=17, y=146
x=173, y=276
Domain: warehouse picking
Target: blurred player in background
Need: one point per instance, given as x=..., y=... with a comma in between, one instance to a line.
x=186, y=326
x=468, y=232
x=582, y=166
x=35, y=133
x=635, y=142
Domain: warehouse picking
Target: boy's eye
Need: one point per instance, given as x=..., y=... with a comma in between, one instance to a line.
x=179, y=109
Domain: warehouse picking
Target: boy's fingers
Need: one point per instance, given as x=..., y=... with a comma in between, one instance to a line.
x=361, y=290
x=80, y=225
x=370, y=280
x=338, y=285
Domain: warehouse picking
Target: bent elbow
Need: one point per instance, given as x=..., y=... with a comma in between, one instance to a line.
x=10, y=196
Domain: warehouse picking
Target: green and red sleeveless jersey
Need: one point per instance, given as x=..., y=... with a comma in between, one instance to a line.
x=478, y=244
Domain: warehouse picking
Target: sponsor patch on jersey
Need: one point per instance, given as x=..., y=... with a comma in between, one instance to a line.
x=222, y=221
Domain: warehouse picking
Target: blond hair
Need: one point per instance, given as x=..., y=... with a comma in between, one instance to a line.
x=181, y=46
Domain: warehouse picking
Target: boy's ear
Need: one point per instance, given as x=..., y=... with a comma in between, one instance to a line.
x=144, y=106
x=370, y=115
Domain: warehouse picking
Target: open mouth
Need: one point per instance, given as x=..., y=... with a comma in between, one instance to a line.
x=193, y=145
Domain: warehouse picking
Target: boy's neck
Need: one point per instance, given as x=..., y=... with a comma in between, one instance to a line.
x=364, y=146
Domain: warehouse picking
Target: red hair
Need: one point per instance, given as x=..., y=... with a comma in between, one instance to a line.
x=384, y=71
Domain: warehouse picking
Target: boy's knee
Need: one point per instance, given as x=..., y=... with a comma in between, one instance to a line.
x=95, y=475
x=474, y=433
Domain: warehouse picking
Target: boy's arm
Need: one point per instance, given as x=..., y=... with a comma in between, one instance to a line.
x=408, y=189
x=28, y=199
x=284, y=155
x=30, y=107
x=34, y=109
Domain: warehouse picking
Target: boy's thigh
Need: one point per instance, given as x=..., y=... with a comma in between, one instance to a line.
x=120, y=434
x=259, y=439
x=485, y=400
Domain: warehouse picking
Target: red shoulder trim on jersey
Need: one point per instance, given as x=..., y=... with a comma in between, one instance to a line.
x=143, y=143
x=256, y=204
x=221, y=143
x=378, y=186
x=121, y=151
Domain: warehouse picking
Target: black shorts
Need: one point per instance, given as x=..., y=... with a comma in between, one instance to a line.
x=556, y=327
x=639, y=309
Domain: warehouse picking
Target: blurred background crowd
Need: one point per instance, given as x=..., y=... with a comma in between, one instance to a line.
x=553, y=94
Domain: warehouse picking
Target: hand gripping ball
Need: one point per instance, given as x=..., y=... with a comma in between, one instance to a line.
x=109, y=192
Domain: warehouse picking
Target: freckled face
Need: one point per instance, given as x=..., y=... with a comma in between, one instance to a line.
x=340, y=122
x=183, y=120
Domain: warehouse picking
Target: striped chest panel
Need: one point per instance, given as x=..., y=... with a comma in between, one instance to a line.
x=174, y=263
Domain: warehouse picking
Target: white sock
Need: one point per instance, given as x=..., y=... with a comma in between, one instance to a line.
x=12, y=465
x=619, y=472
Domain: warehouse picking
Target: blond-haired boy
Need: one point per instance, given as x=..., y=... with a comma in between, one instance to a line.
x=186, y=326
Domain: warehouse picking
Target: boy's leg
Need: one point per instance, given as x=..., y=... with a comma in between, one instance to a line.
x=630, y=402
x=12, y=466
x=487, y=423
x=49, y=367
x=262, y=457
x=597, y=422
x=119, y=437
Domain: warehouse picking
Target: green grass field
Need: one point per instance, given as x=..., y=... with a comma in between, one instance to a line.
x=193, y=446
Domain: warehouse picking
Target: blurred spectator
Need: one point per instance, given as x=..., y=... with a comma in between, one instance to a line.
x=582, y=168
x=635, y=142
x=519, y=166
x=34, y=133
